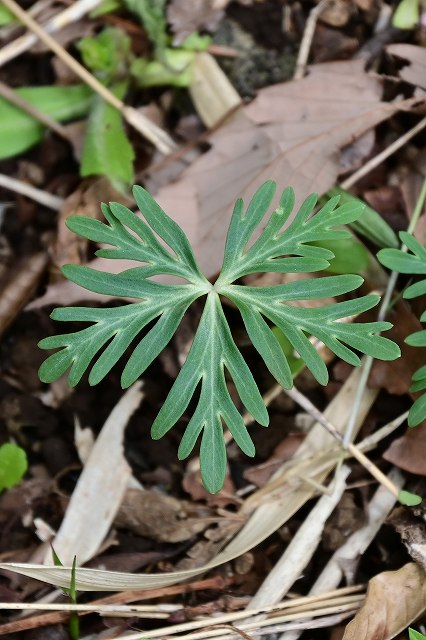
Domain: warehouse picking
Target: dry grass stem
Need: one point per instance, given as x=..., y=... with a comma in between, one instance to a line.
x=12, y=97
x=304, y=402
x=315, y=607
x=42, y=197
x=392, y=148
x=74, y=12
x=378, y=510
x=302, y=547
x=305, y=45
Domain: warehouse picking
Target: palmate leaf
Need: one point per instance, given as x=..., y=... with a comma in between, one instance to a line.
x=412, y=261
x=214, y=354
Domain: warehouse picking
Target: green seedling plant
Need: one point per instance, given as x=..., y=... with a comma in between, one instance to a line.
x=71, y=592
x=415, y=635
x=13, y=465
x=411, y=261
x=160, y=244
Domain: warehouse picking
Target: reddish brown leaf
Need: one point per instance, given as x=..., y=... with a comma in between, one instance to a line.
x=408, y=452
x=396, y=376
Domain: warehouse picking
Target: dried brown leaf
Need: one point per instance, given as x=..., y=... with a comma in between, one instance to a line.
x=396, y=376
x=100, y=487
x=186, y=17
x=411, y=526
x=415, y=71
x=19, y=287
x=161, y=517
x=408, y=452
x=394, y=600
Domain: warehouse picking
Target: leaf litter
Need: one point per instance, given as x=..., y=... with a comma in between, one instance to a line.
x=302, y=131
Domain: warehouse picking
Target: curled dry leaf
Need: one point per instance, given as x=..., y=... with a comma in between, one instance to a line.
x=199, y=15
x=161, y=517
x=415, y=71
x=411, y=526
x=394, y=600
x=408, y=452
x=19, y=288
x=100, y=487
x=396, y=376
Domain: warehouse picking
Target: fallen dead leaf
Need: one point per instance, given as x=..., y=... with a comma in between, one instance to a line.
x=337, y=13
x=19, y=287
x=415, y=71
x=394, y=600
x=292, y=133
x=408, y=452
x=199, y=15
x=193, y=485
x=161, y=517
x=100, y=488
x=284, y=451
x=411, y=526
x=329, y=44
x=396, y=376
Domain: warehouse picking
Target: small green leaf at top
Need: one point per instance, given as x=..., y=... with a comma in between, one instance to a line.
x=158, y=246
x=13, y=465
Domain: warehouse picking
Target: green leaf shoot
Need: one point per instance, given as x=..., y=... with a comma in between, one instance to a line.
x=106, y=149
x=415, y=635
x=159, y=246
x=13, y=465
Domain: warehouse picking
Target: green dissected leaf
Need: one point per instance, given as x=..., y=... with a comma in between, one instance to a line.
x=19, y=132
x=411, y=261
x=13, y=465
x=107, y=150
x=415, y=635
x=214, y=355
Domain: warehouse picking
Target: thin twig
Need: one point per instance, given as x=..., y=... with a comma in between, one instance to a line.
x=304, y=402
x=157, y=136
x=77, y=10
x=15, y=99
x=27, y=190
x=392, y=148
x=317, y=606
x=116, y=609
x=308, y=34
